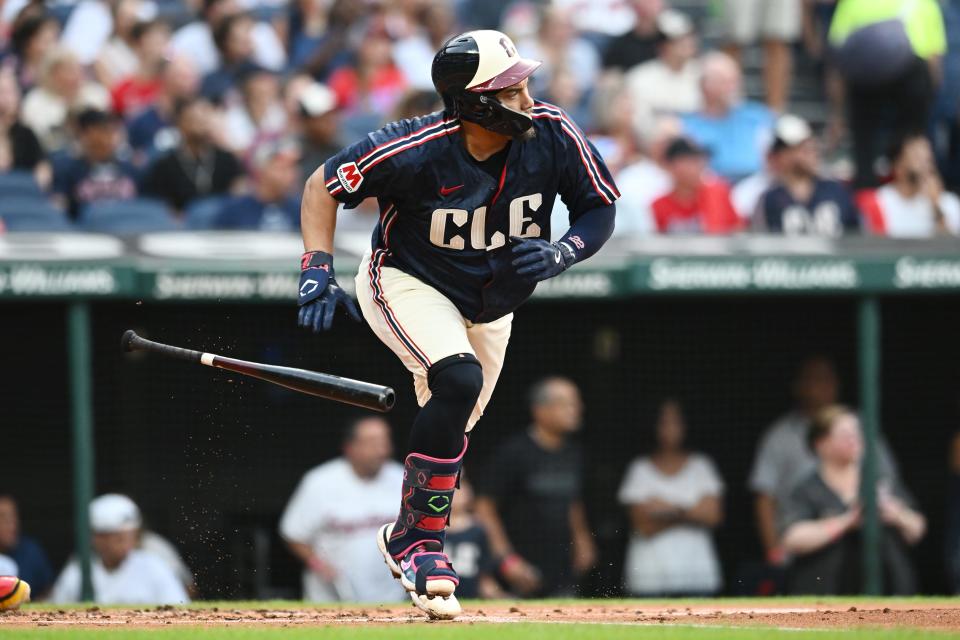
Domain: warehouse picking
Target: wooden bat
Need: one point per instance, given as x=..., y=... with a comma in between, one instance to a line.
x=324, y=385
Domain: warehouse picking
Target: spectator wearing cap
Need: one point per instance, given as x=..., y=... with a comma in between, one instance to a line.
x=137, y=91
x=735, y=131
x=196, y=39
x=414, y=54
x=62, y=90
x=234, y=40
x=670, y=83
x=259, y=114
x=153, y=130
x=121, y=573
x=34, y=34
x=196, y=167
x=319, y=127
x=19, y=148
x=25, y=553
x=96, y=171
x=801, y=202
x=775, y=23
x=914, y=203
x=274, y=204
x=370, y=88
x=639, y=44
x=699, y=202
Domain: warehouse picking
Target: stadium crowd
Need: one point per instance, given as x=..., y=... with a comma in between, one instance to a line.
x=136, y=115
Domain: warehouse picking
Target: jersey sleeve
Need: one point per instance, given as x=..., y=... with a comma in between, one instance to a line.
x=303, y=516
x=367, y=168
x=586, y=182
x=67, y=587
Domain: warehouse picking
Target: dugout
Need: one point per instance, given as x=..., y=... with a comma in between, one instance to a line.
x=212, y=457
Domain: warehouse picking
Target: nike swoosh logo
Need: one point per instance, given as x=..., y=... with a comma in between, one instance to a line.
x=445, y=191
x=557, y=257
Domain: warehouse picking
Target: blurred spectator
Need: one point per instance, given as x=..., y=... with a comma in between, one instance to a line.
x=335, y=512
x=674, y=499
x=196, y=167
x=468, y=547
x=90, y=25
x=370, y=88
x=234, y=40
x=645, y=180
x=699, y=202
x=274, y=204
x=122, y=574
x=27, y=555
x=326, y=39
x=821, y=517
x=259, y=114
x=19, y=148
x=33, y=36
x=889, y=53
x=319, y=127
x=96, y=171
x=61, y=91
x=801, y=202
x=414, y=54
x=558, y=45
x=196, y=39
x=670, y=83
x=417, y=103
x=952, y=532
x=117, y=59
x=746, y=193
x=776, y=23
x=8, y=566
x=136, y=92
x=735, y=132
x=783, y=457
x=153, y=130
x=639, y=44
x=914, y=203
x=530, y=501
x=614, y=129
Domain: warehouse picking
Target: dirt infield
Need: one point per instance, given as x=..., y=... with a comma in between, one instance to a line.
x=831, y=615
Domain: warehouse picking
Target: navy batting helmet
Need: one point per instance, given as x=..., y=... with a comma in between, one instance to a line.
x=470, y=68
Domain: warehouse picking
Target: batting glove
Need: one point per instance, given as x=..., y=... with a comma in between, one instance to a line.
x=320, y=294
x=535, y=259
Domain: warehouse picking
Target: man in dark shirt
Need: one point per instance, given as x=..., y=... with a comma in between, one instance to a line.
x=640, y=43
x=97, y=172
x=801, y=202
x=196, y=167
x=273, y=205
x=32, y=563
x=530, y=501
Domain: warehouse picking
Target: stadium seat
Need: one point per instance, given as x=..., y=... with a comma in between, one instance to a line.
x=124, y=217
x=202, y=213
x=32, y=214
x=19, y=183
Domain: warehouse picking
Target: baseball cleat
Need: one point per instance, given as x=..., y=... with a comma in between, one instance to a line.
x=436, y=598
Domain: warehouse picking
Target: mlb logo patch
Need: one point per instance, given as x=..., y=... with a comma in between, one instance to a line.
x=350, y=176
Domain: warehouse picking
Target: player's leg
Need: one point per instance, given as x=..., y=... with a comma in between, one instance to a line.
x=489, y=342
x=425, y=330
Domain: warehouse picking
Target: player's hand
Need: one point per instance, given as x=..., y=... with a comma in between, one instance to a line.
x=320, y=294
x=535, y=259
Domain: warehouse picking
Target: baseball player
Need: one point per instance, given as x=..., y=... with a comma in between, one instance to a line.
x=465, y=196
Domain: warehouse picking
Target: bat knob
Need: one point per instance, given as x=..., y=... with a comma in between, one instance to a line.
x=126, y=342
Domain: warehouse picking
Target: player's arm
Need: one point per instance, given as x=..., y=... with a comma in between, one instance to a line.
x=319, y=292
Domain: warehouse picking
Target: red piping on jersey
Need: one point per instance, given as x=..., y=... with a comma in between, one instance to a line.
x=395, y=327
x=401, y=139
x=503, y=177
x=573, y=128
x=410, y=145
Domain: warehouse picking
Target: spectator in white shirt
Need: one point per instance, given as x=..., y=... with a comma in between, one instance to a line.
x=914, y=204
x=8, y=567
x=645, y=180
x=559, y=46
x=122, y=574
x=674, y=499
x=670, y=83
x=331, y=521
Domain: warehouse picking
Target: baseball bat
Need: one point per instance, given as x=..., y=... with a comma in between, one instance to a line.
x=324, y=385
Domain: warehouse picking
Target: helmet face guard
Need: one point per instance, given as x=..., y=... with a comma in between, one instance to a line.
x=471, y=68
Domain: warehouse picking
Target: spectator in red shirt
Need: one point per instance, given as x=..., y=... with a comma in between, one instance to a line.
x=136, y=92
x=699, y=201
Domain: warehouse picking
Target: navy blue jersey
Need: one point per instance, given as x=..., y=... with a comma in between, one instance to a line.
x=447, y=222
x=829, y=212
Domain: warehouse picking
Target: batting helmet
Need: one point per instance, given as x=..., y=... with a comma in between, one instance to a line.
x=471, y=68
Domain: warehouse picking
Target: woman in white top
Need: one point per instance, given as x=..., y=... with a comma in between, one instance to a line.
x=674, y=501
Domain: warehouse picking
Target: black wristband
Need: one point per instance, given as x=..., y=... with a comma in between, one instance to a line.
x=314, y=259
